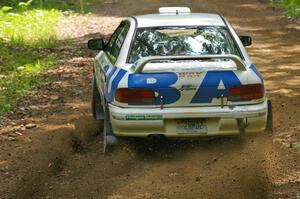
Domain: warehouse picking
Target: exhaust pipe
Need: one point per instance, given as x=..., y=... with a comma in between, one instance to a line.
x=156, y=138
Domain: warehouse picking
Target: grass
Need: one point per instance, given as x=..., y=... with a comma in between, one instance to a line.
x=80, y=6
x=296, y=145
x=27, y=34
x=32, y=27
x=23, y=81
x=24, y=37
x=292, y=7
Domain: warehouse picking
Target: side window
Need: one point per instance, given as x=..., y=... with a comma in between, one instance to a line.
x=116, y=41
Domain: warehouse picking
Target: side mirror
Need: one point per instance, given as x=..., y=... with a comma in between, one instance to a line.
x=96, y=44
x=246, y=40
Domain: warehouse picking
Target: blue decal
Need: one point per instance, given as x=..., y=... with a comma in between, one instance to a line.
x=105, y=68
x=114, y=83
x=209, y=86
x=252, y=67
x=158, y=82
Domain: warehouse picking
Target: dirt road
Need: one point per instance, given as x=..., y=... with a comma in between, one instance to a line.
x=58, y=155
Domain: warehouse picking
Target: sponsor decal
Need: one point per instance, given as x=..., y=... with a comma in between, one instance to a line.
x=143, y=117
x=188, y=87
x=215, y=84
x=105, y=68
x=189, y=74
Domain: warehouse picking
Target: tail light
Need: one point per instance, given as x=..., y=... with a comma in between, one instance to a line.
x=246, y=92
x=134, y=95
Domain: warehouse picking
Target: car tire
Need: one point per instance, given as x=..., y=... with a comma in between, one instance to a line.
x=269, y=123
x=97, y=108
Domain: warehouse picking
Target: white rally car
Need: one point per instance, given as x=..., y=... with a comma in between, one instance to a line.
x=177, y=74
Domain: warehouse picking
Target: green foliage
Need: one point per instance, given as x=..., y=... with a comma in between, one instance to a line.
x=292, y=7
x=15, y=3
x=62, y=5
x=27, y=31
x=296, y=145
x=6, y=8
x=22, y=80
x=32, y=27
x=24, y=35
x=25, y=5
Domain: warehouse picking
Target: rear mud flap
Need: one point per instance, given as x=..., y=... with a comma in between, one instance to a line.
x=241, y=125
x=109, y=139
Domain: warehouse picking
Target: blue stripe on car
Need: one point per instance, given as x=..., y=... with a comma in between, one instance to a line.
x=252, y=67
x=110, y=95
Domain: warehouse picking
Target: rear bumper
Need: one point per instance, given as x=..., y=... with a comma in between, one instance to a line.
x=219, y=121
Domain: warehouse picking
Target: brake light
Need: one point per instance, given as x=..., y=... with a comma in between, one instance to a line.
x=134, y=95
x=246, y=92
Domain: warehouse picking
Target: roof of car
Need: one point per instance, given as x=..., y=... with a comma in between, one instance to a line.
x=182, y=19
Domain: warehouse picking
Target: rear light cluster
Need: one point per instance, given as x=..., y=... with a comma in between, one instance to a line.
x=246, y=92
x=135, y=95
x=147, y=96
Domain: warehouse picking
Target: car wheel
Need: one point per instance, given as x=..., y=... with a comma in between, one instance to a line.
x=97, y=108
x=109, y=140
x=269, y=124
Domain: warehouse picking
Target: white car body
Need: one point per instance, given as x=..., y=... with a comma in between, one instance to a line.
x=178, y=105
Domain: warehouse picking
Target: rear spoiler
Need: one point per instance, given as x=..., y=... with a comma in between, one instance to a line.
x=140, y=64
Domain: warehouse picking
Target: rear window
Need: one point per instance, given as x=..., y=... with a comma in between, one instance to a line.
x=170, y=41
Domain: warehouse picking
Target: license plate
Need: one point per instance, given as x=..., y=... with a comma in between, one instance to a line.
x=191, y=126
